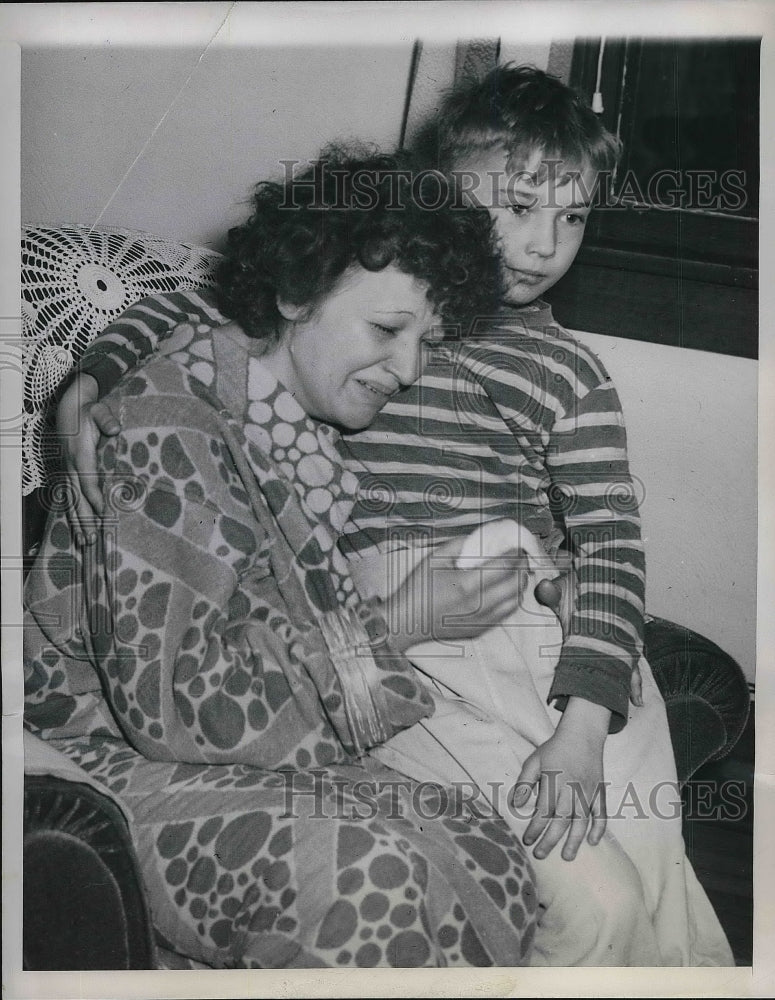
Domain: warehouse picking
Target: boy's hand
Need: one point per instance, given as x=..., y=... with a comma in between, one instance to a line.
x=568, y=770
x=80, y=420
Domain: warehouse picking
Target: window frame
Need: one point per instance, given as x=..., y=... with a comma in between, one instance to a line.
x=677, y=276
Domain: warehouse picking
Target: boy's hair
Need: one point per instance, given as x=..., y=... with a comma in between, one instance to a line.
x=347, y=209
x=523, y=110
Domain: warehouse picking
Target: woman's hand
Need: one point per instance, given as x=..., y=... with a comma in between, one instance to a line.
x=80, y=420
x=440, y=601
x=568, y=770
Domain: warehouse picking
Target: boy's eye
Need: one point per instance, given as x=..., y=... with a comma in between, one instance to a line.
x=519, y=208
x=575, y=219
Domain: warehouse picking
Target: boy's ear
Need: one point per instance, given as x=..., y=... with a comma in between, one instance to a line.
x=290, y=310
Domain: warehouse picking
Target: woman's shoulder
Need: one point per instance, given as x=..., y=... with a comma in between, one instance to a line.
x=203, y=350
x=182, y=374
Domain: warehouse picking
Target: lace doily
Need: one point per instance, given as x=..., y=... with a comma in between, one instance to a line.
x=75, y=280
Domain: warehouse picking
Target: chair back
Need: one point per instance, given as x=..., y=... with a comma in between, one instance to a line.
x=75, y=281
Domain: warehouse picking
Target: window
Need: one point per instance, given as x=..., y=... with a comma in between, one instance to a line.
x=671, y=255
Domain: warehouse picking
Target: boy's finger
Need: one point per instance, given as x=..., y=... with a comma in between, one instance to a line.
x=597, y=830
x=530, y=773
x=553, y=834
x=81, y=499
x=548, y=593
x=104, y=419
x=521, y=792
x=75, y=528
x=636, y=687
x=542, y=814
x=93, y=497
x=575, y=839
x=554, y=594
x=86, y=498
x=87, y=527
x=599, y=817
x=526, y=780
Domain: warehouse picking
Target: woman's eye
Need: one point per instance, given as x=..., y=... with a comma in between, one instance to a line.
x=518, y=209
x=576, y=220
x=388, y=331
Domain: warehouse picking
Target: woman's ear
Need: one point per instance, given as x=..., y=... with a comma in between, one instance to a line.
x=290, y=310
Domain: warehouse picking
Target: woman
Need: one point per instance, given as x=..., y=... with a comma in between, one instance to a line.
x=209, y=659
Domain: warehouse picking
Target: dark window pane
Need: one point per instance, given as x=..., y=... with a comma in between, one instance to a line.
x=692, y=107
x=674, y=258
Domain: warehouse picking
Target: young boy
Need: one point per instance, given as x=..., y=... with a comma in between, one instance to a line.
x=519, y=420
x=522, y=421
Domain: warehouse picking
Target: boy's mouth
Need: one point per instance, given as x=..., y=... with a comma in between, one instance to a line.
x=529, y=277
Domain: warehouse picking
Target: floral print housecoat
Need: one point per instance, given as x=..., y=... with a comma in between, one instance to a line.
x=210, y=661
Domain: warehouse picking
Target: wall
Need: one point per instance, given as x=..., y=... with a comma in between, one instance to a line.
x=160, y=140
x=691, y=423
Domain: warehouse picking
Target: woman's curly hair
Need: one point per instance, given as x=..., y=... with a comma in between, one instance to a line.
x=368, y=210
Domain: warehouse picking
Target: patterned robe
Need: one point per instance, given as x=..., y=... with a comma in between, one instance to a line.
x=210, y=661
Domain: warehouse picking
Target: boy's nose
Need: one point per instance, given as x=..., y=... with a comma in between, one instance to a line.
x=542, y=239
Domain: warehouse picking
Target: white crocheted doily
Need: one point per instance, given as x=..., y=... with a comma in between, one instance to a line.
x=75, y=280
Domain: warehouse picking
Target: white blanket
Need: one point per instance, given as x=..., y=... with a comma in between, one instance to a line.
x=631, y=900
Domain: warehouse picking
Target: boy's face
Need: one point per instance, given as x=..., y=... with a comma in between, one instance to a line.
x=539, y=220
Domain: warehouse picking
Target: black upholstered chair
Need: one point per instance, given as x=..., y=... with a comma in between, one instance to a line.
x=84, y=903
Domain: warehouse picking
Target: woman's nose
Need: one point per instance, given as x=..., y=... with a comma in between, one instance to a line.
x=405, y=361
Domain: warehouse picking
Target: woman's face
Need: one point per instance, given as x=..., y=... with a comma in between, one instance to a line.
x=361, y=345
